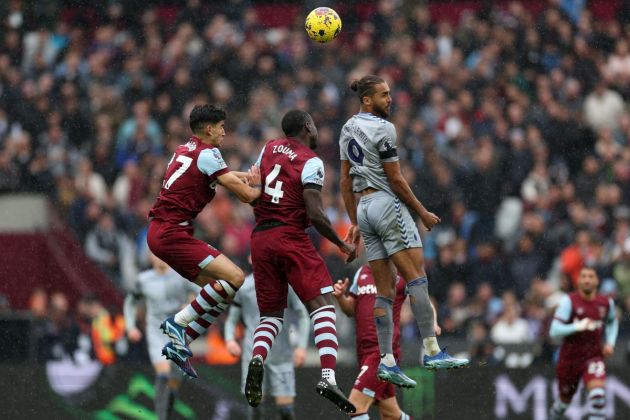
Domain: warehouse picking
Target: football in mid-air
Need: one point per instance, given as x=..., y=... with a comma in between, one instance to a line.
x=323, y=24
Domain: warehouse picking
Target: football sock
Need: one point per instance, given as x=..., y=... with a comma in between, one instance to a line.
x=286, y=412
x=388, y=359
x=421, y=307
x=162, y=396
x=404, y=416
x=211, y=301
x=557, y=410
x=266, y=331
x=325, y=335
x=360, y=416
x=596, y=404
x=385, y=329
x=255, y=413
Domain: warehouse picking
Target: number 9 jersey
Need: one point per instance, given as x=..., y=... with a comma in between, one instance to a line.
x=366, y=141
x=286, y=166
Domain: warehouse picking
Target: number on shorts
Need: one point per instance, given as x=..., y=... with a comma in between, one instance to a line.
x=355, y=152
x=364, y=369
x=596, y=368
x=185, y=161
x=276, y=192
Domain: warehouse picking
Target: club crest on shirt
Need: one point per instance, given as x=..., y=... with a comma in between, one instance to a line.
x=191, y=145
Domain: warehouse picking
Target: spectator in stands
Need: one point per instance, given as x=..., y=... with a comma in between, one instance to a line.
x=58, y=338
x=484, y=120
x=510, y=328
x=38, y=303
x=106, y=245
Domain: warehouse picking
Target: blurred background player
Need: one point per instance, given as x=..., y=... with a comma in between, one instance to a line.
x=189, y=184
x=359, y=303
x=280, y=365
x=164, y=293
x=582, y=319
x=283, y=254
x=370, y=167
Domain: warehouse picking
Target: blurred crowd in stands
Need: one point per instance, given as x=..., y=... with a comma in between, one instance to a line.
x=513, y=127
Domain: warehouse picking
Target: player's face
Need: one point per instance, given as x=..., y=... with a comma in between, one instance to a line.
x=381, y=100
x=216, y=132
x=588, y=281
x=312, y=138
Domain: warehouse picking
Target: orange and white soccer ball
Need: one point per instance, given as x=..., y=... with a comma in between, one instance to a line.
x=323, y=24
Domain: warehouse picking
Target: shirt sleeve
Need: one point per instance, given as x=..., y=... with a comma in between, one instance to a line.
x=211, y=163
x=354, y=287
x=612, y=324
x=563, y=311
x=313, y=172
x=343, y=153
x=260, y=156
x=386, y=144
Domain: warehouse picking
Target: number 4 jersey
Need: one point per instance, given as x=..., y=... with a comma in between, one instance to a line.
x=189, y=182
x=286, y=166
x=366, y=141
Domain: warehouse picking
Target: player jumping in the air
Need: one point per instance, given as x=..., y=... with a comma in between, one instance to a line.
x=359, y=303
x=370, y=167
x=583, y=318
x=280, y=365
x=189, y=183
x=164, y=293
x=283, y=254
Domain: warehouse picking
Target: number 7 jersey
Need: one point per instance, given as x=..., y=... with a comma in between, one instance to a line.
x=189, y=182
x=286, y=166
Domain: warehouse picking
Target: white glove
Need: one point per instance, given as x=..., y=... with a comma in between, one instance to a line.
x=583, y=324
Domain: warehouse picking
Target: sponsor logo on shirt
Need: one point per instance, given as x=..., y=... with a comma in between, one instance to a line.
x=368, y=289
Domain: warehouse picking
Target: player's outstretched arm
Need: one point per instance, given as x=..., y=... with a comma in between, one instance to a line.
x=401, y=188
x=234, y=314
x=130, y=308
x=350, y=202
x=315, y=212
x=347, y=303
x=246, y=192
x=611, y=330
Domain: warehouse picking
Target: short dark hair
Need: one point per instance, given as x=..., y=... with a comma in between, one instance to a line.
x=205, y=114
x=365, y=85
x=294, y=121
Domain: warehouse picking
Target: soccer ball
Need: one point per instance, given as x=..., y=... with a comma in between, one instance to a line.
x=323, y=24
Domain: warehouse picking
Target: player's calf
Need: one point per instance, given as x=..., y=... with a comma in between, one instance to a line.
x=286, y=412
x=557, y=410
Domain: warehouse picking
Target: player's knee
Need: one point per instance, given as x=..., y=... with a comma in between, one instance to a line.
x=286, y=412
x=389, y=413
x=360, y=404
x=236, y=277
